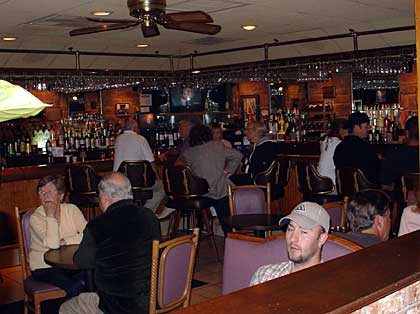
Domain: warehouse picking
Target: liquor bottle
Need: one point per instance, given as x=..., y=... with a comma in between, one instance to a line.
x=48, y=149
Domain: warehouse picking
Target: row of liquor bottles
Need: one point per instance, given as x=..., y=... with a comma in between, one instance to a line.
x=386, y=122
x=70, y=134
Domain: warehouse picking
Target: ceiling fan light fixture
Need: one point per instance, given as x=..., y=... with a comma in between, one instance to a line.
x=9, y=38
x=248, y=27
x=142, y=45
x=101, y=13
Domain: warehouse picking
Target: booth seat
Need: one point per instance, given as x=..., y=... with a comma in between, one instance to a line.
x=245, y=254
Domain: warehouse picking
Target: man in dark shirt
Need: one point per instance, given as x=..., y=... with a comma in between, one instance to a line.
x=354, y=151
x=405, y=159
x=118, y=246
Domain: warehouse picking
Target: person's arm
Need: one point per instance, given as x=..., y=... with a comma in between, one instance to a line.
x=86, y=254
x=233, y=160
x=80, y=224
x=46, y=228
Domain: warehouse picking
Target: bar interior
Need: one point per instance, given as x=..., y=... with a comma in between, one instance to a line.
x=317, y=113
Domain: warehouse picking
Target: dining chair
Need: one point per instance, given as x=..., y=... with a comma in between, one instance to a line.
x=410, y=183
x=141, y=176
x=35, y=291
x=173, y=264
x=82, y=184
x=337, y=212
x=249, y=199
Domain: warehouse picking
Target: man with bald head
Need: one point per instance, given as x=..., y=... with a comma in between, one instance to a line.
x=118, y=246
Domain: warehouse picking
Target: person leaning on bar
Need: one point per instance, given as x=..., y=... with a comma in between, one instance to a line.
x=52, y=225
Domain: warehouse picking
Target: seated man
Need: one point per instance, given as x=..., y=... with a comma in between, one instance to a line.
x=368, y=217
x=307, y=231
x=355, y=151
x=51, y=225
x=118, y=246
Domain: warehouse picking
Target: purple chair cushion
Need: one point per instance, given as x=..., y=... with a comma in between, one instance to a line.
x=176, y=272
x=249, y=201
x=335, y=215
x=26, y=229
x=32, y=286
x=243, y=258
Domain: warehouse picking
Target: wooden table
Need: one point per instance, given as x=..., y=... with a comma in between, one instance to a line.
x=62, y=257
x=259, y=223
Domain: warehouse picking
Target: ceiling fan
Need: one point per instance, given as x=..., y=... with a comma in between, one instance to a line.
x=148, y=14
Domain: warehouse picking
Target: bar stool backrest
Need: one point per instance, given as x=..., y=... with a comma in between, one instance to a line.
x=179, y=181
x=82, y=179
x=318, y=184
x=139, y=172
x=276, y=174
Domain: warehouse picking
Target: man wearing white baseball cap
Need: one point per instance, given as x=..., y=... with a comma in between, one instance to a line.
x=307, y=231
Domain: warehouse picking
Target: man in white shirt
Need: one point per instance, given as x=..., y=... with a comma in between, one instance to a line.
x=307, y=231
x=132, y=146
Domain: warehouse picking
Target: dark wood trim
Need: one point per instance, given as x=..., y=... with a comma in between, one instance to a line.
x=339, y=286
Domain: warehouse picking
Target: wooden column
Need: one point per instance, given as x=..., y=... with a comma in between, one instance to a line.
x=417, y=13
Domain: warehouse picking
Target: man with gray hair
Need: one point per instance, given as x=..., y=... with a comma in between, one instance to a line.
x=118, y=246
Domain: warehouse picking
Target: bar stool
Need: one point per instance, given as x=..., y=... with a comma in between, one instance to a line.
x=142, y=178
x=185, y=193
x=82, y=183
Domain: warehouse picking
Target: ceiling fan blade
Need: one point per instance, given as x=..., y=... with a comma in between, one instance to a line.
x=150, y=31
x=202, y=28
x=102, y=28
x=188, y=16
x=105, y=20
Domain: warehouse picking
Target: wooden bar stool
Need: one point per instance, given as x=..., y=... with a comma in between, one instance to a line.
x=185, y=193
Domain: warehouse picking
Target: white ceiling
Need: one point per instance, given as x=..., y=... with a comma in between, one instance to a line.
x=45, y=25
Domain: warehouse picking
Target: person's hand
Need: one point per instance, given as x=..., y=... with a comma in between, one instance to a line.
x=51, y=208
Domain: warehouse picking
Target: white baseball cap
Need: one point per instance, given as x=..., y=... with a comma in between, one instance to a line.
x=307, y=215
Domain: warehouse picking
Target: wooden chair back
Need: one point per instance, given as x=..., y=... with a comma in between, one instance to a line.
x=410, y=183
x=179, y=182
x=173, y=264
x=337, y=212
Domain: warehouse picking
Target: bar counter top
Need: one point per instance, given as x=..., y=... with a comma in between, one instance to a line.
x=37, y=172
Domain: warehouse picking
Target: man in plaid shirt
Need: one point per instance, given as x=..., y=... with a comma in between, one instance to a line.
x=307, y=231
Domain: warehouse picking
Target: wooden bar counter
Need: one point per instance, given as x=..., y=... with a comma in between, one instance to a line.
x=381, y=279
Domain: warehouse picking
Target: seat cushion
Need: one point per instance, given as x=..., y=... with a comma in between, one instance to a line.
x=198, y=202
x=32, y=286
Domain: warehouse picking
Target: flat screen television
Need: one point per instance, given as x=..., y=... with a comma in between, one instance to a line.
x=186, y=99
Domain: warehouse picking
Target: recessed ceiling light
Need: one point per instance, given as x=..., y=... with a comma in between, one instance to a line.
x=142, y=45
x=248, y=27
x=9, y=38
x=101, y=13
x=195, y=71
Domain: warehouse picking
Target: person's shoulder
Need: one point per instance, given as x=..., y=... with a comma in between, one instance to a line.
x=38, y=213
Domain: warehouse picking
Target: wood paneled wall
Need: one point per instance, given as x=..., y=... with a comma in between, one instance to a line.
x=343, y=87
x=250, y=88
x=408, y=90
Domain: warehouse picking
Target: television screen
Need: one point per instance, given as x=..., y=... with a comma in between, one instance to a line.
x=186, y=99
x=220, y=98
